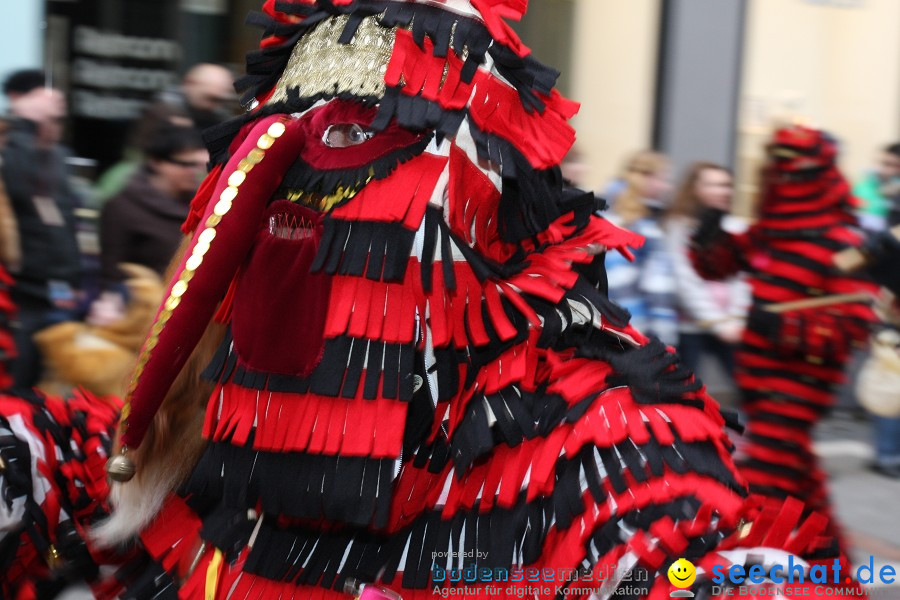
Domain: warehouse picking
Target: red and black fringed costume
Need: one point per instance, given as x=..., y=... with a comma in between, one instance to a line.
x=7, y=345
x=791, y=362
x=53, y=486
x=421, y=374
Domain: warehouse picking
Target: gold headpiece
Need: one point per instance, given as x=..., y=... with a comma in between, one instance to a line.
x=320, y=64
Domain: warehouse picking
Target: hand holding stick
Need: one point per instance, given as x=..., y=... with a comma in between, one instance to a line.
x=854, y=259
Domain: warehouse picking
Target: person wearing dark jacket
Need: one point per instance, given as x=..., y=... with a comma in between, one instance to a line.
x=142, y=224
x=36, y=180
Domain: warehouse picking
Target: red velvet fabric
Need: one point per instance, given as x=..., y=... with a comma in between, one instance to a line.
x=317, y=121
x=279, y=329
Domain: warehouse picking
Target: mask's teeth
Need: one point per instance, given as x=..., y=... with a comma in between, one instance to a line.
x=290, y=227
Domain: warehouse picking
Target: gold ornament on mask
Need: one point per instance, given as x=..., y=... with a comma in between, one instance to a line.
x=319, y=64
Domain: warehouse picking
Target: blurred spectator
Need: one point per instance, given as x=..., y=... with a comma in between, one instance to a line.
x=574, y=169
x=711, y=313
x=10, y=249
x=11, y=258
x=203, y=99
x=645, y=287
x=37, y=182
x=142, y=225
x=879, y=194
x=116, y=178
x=879, y=191
x=205, y=95
x=616, y=186
x=646, y=187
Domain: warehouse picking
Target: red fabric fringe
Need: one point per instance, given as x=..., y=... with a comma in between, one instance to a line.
x=473, y=201
x=494, y=13
x=420, y=72
x=288, y=422
x=450, y=312
x=362, y=308
x=200, y=201
x=172, y=538
x=543, y=137
x=548, y=275
x=400, y=198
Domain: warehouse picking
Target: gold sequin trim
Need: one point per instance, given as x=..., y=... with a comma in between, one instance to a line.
x=326, y=203
x=319, y=64
x=204, y=242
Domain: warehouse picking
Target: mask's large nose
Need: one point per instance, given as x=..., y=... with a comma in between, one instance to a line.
x=220, y=244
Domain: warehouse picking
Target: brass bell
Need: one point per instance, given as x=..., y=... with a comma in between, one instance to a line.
x=120, y=468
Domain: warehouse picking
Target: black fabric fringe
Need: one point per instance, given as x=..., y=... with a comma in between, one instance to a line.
x=527, y=75
x=302, y=176
x=822, y=385
x=782, y=282
x=278, y=555
x=530, y=200
x=419, y=414
x=145, y=579
x=651, y=373
x=805, y=262
x=377, y=251
x=339, y=374
x=805, y=233
x=436, y=232
x=496, y=150
x=416, y=113
x=520, y=415
x=17, y=474
x=353, y=490
x=491, y=541
x=558, y=332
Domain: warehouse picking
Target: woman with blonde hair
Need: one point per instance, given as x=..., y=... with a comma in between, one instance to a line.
x=710, y=313
x=644, y=182
x=644, y=286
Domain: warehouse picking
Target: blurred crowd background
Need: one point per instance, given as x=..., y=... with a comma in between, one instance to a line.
x=104, y=102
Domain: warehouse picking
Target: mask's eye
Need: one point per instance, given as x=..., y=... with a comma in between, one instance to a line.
x=343, y=135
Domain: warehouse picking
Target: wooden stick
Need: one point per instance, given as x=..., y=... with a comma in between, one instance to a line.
x=820, y=302
x=710, y=323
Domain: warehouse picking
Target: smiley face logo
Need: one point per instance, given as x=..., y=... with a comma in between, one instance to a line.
x=682, y=573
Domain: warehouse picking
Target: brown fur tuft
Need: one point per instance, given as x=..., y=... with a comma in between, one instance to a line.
x=171, y=448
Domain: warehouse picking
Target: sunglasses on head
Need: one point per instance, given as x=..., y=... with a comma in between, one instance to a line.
x=187, y=164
